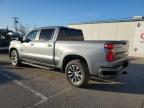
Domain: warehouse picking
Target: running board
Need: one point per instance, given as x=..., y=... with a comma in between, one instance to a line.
x=35, y=65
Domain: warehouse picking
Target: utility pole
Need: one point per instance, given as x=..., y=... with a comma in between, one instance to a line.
x=7, y=27
x=15, y=22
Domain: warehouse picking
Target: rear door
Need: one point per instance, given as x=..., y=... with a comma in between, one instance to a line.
x=45, y=47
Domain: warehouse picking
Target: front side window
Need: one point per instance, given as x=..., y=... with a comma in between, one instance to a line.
x=46, y=34
x=31, y=36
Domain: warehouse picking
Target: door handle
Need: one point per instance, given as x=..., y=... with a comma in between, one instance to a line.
x=32, y=44
x=49, y=45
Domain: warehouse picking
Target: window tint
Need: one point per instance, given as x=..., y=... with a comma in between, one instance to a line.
x=31, y=36
x=70, y=34
x=46, y=34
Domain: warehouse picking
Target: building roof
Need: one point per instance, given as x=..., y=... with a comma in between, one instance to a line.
x=109, y=21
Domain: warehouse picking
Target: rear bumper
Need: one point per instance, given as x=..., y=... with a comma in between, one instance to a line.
x=117, y=62
x=113, y=70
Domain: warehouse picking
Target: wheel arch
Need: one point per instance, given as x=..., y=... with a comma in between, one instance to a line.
x=71, y=57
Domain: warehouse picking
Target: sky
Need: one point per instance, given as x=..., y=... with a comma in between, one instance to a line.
x=63, y=12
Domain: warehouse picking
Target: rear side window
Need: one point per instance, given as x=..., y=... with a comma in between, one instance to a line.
x=46, y=34
x=67, y=34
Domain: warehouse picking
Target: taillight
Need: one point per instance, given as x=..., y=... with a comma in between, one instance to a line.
x=110, y=53
x=108, y=46
x=110, y=56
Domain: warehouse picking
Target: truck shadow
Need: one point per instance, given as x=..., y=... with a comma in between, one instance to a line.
x=6, y=77
x=132, y=83
x=4, y=51
x=8, y=65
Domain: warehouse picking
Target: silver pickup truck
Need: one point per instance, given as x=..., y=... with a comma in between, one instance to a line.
x=66, y=49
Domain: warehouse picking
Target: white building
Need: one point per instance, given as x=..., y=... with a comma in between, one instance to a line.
x=130, y=29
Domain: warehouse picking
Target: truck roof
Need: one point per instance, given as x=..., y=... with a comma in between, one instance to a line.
x=47, y=27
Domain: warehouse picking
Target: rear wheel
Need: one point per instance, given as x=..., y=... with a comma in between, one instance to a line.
x=15, y=58
x=77, y=73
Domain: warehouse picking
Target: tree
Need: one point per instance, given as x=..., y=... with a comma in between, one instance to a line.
x=23, y=29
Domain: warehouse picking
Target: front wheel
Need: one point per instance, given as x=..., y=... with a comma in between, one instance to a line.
x=15, y=58
x=77, y=73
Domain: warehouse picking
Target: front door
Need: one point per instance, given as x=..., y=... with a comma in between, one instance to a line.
x=28, y=46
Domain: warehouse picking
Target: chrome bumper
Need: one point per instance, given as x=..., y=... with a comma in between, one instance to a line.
x=109, y=72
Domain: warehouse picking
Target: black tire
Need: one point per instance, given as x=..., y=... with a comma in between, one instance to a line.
x=77, y=73
x=15, y=58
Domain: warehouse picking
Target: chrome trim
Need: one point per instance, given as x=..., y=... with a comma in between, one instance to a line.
x=118, y=71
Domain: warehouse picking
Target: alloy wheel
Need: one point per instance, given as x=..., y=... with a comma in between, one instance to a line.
x=74, y=74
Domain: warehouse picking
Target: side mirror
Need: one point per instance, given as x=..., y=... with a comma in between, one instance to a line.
x=26, y=40
x=20, y=39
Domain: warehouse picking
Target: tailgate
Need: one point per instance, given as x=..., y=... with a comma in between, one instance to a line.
x=121, y=49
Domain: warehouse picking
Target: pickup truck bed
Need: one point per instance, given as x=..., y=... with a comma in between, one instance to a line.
x=95, y=54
